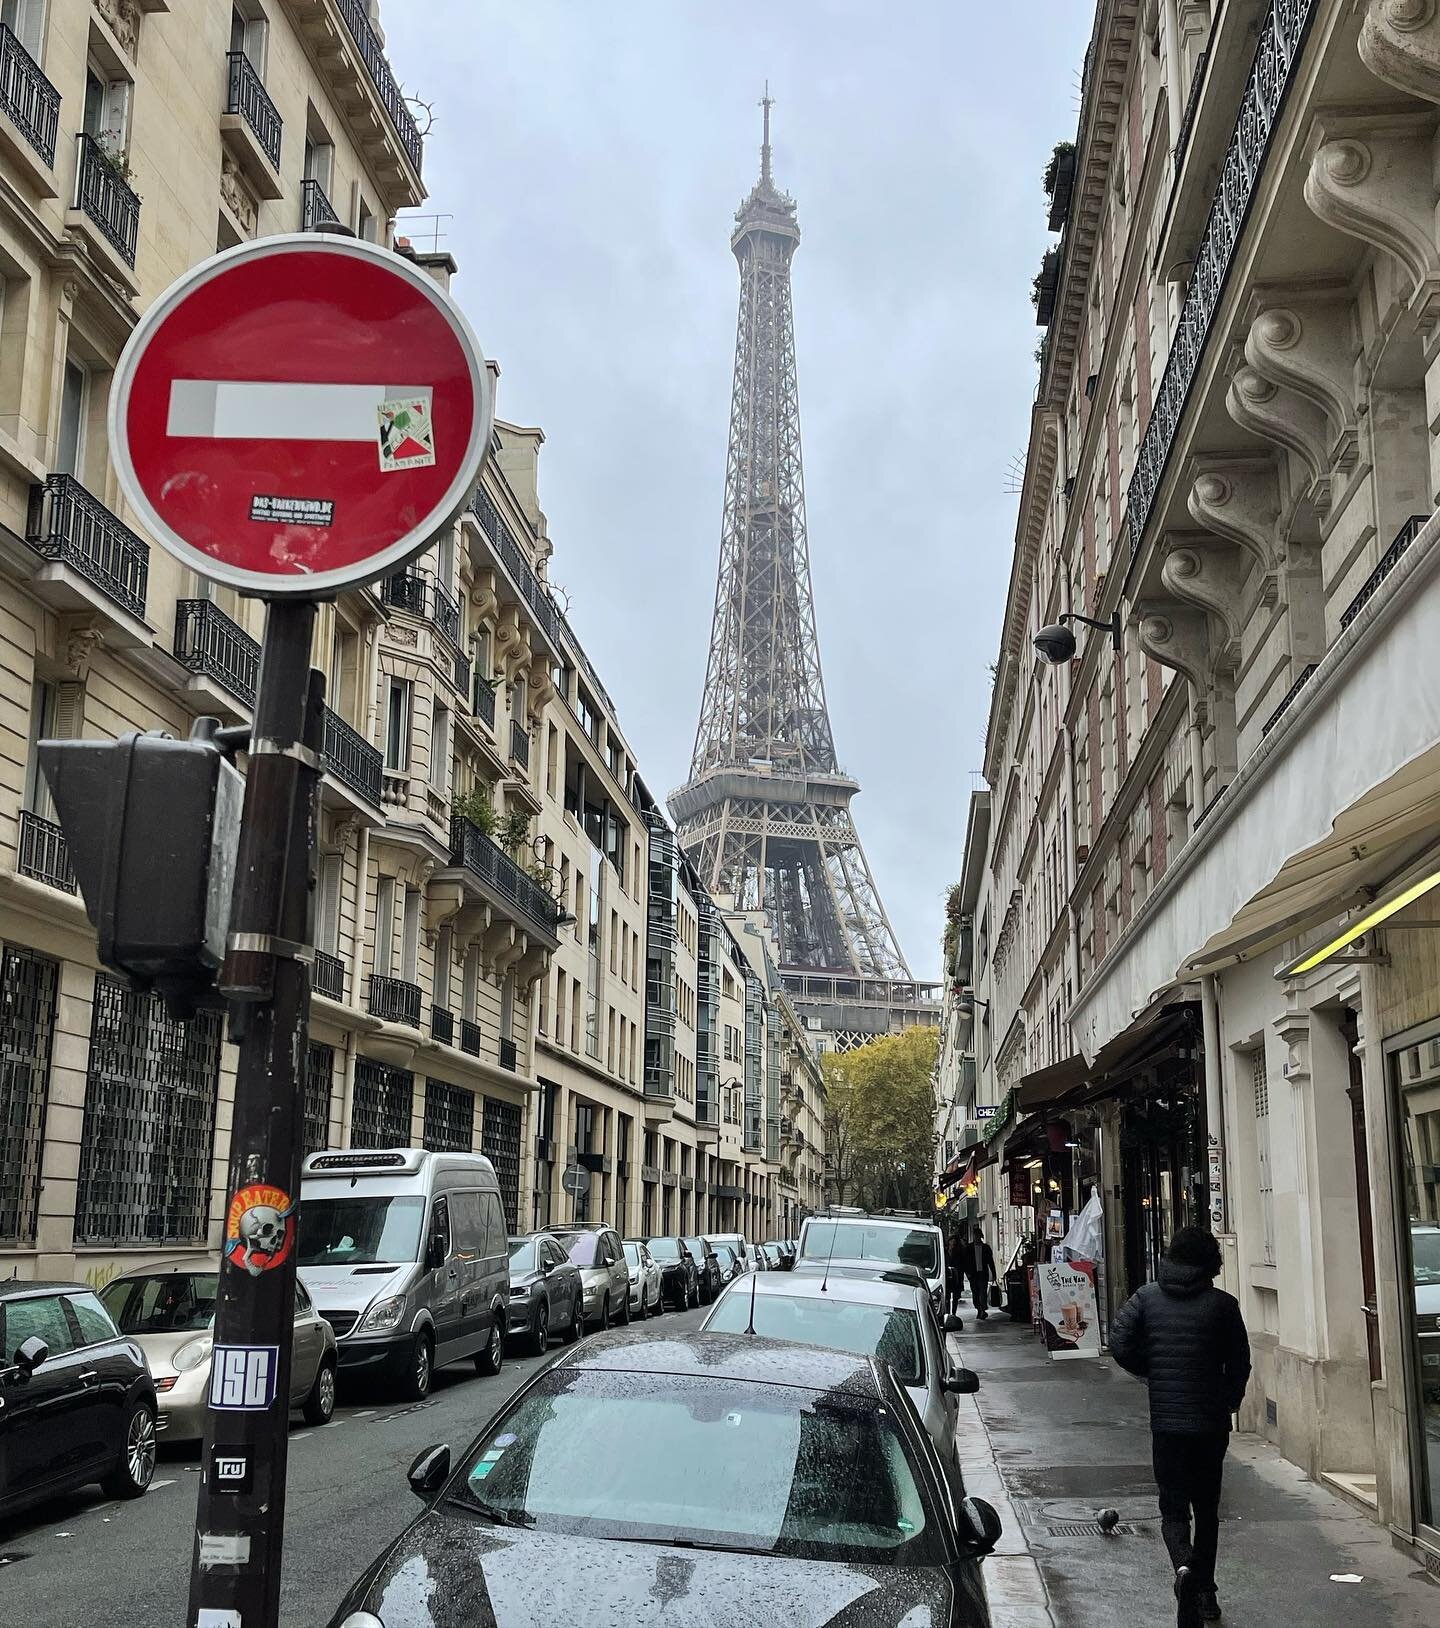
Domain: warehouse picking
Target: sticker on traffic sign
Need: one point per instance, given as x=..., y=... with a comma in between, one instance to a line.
x=230, y=1469
x=300, y=414
x=242, y=1377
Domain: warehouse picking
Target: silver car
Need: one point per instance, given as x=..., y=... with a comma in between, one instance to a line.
x=169, y=1313
x=646, y=1292
x=546, y=1295
x=885, y=1316
x=604, y=1276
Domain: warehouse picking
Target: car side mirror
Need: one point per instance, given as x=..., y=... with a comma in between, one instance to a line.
x=29, y=1354
x=963, y=1382
x=979, y=1526
x=429, y=1472
x=953, y=1324
x=546, y=1268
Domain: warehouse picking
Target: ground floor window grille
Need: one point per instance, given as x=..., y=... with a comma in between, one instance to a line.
x=148, y=1136
x=500, y=1143
x=28, y=987
x=1260, y=1082
x=319, y=1076
x=449, y=1119
x=380, y=1117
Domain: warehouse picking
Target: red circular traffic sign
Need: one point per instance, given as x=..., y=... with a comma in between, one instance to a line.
x=300, y=414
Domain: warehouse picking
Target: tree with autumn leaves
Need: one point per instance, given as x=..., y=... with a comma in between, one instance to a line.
x=880, y=1121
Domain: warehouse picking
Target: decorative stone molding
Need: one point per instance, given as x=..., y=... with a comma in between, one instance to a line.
x=1309, y=349
x=1177, y=636
x=123, y=17
x=540, y=690
x=1372, y=179
x=1210, y=575
x=81, y=638
x=1239, y=499
x=484, y=600
x=237, y=197
x=407, y=636
x=1281, y=416
x=1400, y=43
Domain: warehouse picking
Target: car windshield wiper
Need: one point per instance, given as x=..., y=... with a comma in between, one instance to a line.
x=698, y=1543
x=492, y=1512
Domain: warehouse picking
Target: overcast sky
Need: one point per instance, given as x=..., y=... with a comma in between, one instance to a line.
x=592, y=156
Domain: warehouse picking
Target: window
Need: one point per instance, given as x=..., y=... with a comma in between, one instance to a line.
x=439, y=745
x=26, y=21
x=507, y=1009
x=384, y=925
x=470, y=985
x=365, y=225
x=397, y=724
x=107, y=110
x=344, y=673
x=327, y=914
x=1260, y=1084
x=444, y=960
x=445, y=559
x=320, y=160
x=37, y=1317
x=410, y=942
x=249, y=33
x=552, y=759
x=74, y=403
x=56, y=712
x=94, y=1320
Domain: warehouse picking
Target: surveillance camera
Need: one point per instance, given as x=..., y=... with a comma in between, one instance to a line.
x=1055, y=643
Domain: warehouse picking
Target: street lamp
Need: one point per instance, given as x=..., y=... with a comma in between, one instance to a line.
x=1056, y=643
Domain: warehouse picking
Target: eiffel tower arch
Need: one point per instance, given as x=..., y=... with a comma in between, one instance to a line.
x=765, y=814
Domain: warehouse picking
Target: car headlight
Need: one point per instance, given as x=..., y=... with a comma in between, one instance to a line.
x=518, y=1291
x=384, y=1313
x=591, y=1290
x=193, y=1353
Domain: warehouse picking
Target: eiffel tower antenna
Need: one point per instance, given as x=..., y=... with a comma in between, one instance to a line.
x=765, y=814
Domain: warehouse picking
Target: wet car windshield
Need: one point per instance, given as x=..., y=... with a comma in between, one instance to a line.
x=581, y=1248
x=1425, y=1246
x=167, y=1303
x=665, y=1249
x=522, y=1254
x=891, y=1333
x=360, y=1231
x=765, y=1469
x=855, y=1241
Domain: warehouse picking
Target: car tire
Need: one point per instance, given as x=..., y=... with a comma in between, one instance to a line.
x=415, y=1386
x=136, y=1463
x=540, y=1334
x=319, y=1406
x=642, y=1314
x=604, y=1319
x=576, y=1326
x=492, y=1359
x=624, y=1318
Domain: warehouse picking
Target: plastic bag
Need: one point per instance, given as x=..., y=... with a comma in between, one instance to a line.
x=1085, y=1240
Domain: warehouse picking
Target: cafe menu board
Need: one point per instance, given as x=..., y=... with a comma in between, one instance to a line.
x=1069, y=1318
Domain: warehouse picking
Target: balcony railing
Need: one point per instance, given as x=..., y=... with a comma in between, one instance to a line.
x=328, y=977
x=470, y=1037
x=44, y=853
x=532, y=590
x=484, y=700
x=442, y=1025
x=417, y=594
x=1281, y=38
x=1388, y=561
x=351, y=759
x=249, y=98
x=208, y=642
x=316, y=210
x=461, y=678
x=28, y=97
x=1305, y=675
x=394, y=1000
x=519, y=744
x=357, y=20
x=404, y=591
x=479, y=854
x=508, y=1057
x=69, y=525
x=103, y=193
x=445, y=614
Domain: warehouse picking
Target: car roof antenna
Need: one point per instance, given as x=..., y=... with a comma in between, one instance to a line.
x=750, y=1329
x=825, y=1281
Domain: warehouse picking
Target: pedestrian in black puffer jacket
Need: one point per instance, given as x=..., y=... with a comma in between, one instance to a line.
x=1187, y=1340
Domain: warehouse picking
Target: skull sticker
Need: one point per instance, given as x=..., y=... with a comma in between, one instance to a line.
x=260, y=1228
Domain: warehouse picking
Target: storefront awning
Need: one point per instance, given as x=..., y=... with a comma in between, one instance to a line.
x=977, y=1158
x=1047, y=1085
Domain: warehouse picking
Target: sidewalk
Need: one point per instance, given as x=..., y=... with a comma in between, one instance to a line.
x=1052, y=1443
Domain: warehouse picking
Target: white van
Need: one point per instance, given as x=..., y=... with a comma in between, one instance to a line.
x=859, y=1237
x=405, y=1254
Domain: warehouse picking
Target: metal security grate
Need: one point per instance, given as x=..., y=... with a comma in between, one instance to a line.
x=1088, y=1529
x=319, y=1077
x=380, y=1117
x=449, y=1117
x=148, y=1138
x=500, y=1143
x=28, y=986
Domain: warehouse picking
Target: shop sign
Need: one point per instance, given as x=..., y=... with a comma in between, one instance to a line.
x=1069, y=1319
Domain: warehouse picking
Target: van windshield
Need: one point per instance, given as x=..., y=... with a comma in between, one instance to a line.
x=360, y=1230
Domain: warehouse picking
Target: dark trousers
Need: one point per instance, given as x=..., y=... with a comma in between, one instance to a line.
x=980, y=1292
x=954, y=1291
x=1188, y=1472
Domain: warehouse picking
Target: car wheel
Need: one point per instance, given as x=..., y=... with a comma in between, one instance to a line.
x=624, y=1316
x=319, y=1405
x=540, y=1334
x=136, y=1464
x=659, y=1305
x=604, y=1312
x=415, y=1387
x=576, y=1326
x=492, y=1359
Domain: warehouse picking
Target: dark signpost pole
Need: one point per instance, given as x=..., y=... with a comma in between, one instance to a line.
x=240, y=1512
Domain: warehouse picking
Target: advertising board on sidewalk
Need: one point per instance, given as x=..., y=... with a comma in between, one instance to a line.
x=1069, y=1319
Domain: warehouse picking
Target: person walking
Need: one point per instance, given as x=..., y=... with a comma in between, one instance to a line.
x=980, y=1269
x=954, y=1273
x=1187, y=1340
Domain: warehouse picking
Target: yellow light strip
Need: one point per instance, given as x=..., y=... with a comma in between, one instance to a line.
x=1357, y=929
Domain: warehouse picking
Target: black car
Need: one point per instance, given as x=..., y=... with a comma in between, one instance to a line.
x=77, y=1403
x=707, y=1267
x=777, y=1482
x=679, y=1279
x=783, y=1253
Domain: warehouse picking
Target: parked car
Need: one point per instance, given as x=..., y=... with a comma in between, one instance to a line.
x=604, y=1276
x=647, y=1281
x=893, y=1240
x=545, y=1291
x=77, y=1403
x=738, y=1247
x=810, y=1502
x=170, y=1313
x=680, y=1278
x=730, y=1267
x=1425, y=1253
x=404, y=1252
x=764, y=1260
x=888, y=1317
x=782, y=1253
x=707, y=1267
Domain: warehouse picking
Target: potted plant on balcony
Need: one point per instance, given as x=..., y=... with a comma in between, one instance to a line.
x=476, y=806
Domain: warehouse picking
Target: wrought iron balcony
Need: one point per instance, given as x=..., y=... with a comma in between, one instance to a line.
x=442, y=1025
x=461, y=679
x=208, y=642
x=485, y=859
x=249, y=98
x=445, y=614
x=484, y=700
x=316, y=210
x=69, y=525
x=103, y=193
x=44, y=853
x=470, y=1037
x=508, y=1056
x=372, y=53
x=1387, y=563
x=417, y=594
x=519, y=744
x=394, y=1000
x=532, y=590
x=328, y=977
x=1282, y=37
x=27, y=96
x=404, y=591
x=351, y=758
x=1306, y=674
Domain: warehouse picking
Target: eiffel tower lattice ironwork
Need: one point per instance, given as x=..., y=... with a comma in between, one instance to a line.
x=765, y=815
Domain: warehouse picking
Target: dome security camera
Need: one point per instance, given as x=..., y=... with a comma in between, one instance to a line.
x=1055, y=644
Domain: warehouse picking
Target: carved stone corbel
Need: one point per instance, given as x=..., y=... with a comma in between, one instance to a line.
x=1400, y=43
x=499, y=940
x=1309, y=348
x=541, y=688
x=80, y=638
x=483, y=598
x=1210, y=575
x=1281, y=416
x=1178, y=637
x=532, y=966
x=1239, y=499
x=1372, y=179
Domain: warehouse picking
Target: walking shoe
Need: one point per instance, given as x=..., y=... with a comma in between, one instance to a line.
x=1209, y=1605
x=984, y=1316
x=1187, y=1599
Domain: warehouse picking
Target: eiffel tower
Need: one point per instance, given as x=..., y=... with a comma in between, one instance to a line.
x=765, y=814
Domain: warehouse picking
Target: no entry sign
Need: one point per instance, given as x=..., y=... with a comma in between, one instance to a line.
x=300, y=414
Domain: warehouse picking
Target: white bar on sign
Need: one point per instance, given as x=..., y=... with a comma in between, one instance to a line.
x=241, y=409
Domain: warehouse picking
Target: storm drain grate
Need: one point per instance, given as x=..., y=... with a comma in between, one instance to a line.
x=1087, y=1529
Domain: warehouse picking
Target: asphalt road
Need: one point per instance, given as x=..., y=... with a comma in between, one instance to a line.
x=84, y=1560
